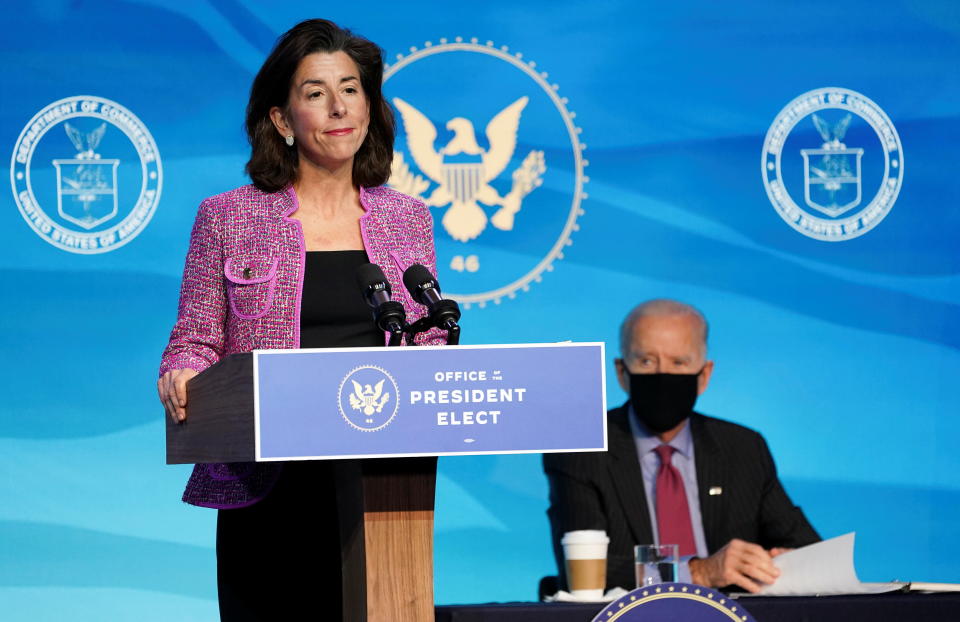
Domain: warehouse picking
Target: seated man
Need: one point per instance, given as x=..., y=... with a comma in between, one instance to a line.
x=674, y=476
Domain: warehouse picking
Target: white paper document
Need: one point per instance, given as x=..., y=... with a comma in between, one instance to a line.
x=821, y=569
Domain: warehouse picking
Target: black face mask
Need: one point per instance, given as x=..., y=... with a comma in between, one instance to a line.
x=662, y=401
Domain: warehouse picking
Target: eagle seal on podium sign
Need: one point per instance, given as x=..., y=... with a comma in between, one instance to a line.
x=368, y=399
x=367, y=406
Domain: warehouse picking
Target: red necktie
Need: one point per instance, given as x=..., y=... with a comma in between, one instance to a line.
x=673, y=513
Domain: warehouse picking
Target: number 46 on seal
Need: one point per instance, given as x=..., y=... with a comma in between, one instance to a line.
x=470, y=263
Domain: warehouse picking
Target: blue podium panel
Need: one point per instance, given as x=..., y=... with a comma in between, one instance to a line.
x=452, y=400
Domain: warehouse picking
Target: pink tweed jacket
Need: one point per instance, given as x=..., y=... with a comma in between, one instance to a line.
x=241, y=291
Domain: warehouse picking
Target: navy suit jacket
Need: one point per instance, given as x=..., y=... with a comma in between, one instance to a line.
x=604, y=490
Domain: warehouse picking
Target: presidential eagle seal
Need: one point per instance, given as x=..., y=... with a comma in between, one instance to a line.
x=486, y=141
x=86, y=174
x=825, y=152
x=368, y=398
x=674, y=601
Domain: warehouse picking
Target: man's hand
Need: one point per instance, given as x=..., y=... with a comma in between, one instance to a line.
x=172, y=389
x=737, y=563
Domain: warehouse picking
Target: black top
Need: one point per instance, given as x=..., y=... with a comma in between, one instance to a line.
x=333, y=313
x=287, y=522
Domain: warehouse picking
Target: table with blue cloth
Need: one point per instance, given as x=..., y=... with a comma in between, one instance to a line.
x=896, y=606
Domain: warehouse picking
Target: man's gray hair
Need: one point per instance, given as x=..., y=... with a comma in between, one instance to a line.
x=658, y=306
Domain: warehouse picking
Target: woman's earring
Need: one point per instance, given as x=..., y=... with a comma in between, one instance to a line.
x=289, y=140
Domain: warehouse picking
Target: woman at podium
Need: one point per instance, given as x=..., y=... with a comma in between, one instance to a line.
x=271, y=265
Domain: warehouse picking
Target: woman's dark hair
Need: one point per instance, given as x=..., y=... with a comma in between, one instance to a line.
x=273, y=165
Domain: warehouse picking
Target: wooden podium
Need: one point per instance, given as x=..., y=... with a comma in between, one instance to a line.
x=456, y=400
x=385, y=505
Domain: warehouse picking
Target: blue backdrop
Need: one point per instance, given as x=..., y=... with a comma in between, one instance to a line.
x=647, y=163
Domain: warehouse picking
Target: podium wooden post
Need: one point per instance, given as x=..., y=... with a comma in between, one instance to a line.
x=385, y=505
x=386, y=525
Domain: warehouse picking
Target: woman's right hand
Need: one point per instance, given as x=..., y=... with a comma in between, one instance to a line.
x=172, y=388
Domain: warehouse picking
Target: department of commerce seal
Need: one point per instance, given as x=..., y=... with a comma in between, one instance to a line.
x=486, y=141
x=832, y=164
x=86, y=174
x=368, y=398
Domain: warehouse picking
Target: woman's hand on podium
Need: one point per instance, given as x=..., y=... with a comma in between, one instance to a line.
x=172, y=388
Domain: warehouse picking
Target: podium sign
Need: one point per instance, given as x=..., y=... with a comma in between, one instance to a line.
x=436, y=401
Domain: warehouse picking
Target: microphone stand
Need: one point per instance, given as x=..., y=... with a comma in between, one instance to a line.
x=453, y=335
x=390, y=317
x=396, y=337
x=426, y=323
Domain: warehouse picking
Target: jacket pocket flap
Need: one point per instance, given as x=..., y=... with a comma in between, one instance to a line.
x=250, y=269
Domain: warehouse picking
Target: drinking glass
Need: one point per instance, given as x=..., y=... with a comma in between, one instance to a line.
x=656, y=563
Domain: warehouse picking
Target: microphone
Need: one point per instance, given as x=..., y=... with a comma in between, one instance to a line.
x=424, y=289
x=388, y=315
